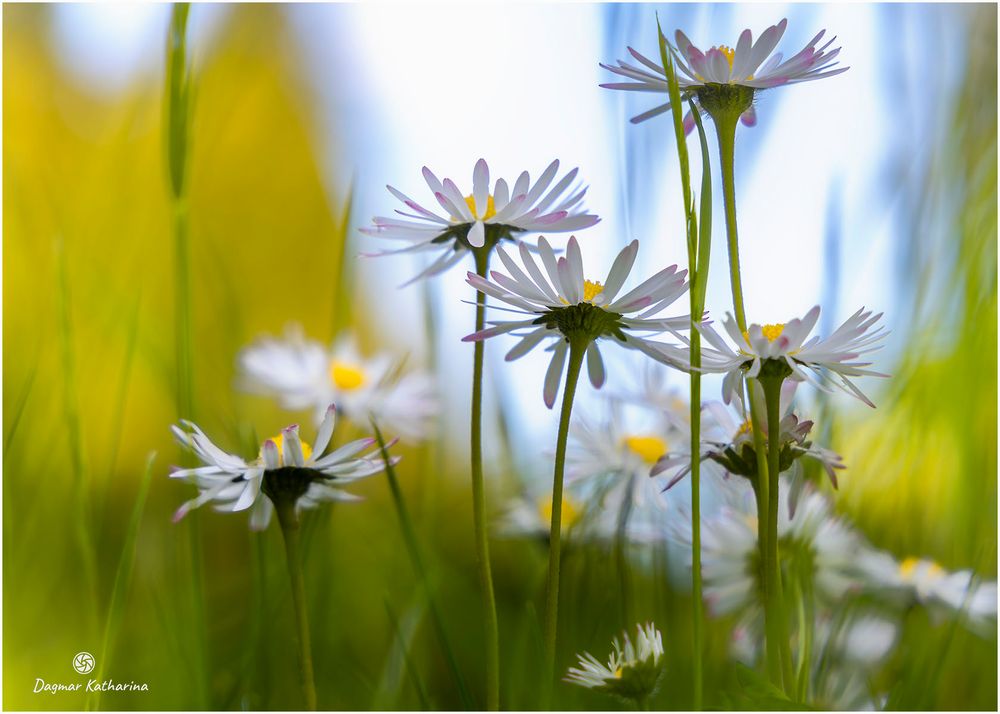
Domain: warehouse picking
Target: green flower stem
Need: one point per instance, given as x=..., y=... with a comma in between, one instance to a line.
x=777, y=624
x=808, y=621
x=413, y=549
x=577, y=350
x=725, y=128
x=482, y=257
x=288, y=519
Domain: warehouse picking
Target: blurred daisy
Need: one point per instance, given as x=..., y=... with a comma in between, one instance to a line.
x=531, y=516
x=925, y=582
x=813, y=538
x=735, y=452
x=821, y=362
x=612, y=463
x=632, y=671
x=483, y=217
x=750, y=65
x=561, y=304
x=285, y=468
x=304, y=374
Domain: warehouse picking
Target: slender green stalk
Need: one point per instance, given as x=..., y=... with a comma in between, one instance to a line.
x=411, y=667
x=288, y=519
x=479, y=500
x=577, y=350
x=413, y=549
x=776, y=621
x=806, y=628
x=177, y=124
x=725, y=129
x=698, y=262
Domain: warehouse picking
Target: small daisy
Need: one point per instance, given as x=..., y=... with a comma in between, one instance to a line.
x=925, y=582
x=286, y=468
x=781, y=348
x=483, y=218
x=304, y=374
x=722, y=71
x=559, y=303
x=632, y=671
x=735, y=452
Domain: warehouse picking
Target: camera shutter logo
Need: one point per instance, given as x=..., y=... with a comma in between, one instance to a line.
x=84, y=663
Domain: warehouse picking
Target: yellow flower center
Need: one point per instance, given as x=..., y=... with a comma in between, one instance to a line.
x=729, y=53
x=279, y=441
x=618, y=673
x=772, y=332
x=346, y=376
x=491, y=209
x=569, y=511
x=909, y=566
x=745, y=428
x=591, y=289
x=648, y=448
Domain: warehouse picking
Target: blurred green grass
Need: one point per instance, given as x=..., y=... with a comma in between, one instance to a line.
x=86, y=172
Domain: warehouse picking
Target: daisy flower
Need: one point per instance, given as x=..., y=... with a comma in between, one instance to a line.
x=530, y=516
x=483, y=217
x=632, y=671
x=735, y=452
x=723, y=73
x=813, y=537
x=610, y=463
x=924, y=581
x=782, y=349
x=561, y=305
x=305, y=374
x=286, y=468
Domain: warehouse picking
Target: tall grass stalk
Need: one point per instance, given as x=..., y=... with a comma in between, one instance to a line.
x=492, y=641
x=123, y=576
x=413, y=550
x=411, y=668
x=177, y=124
x=699, y=256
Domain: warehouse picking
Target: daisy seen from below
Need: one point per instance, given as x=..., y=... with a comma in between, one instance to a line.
x=483, y=217
x=632, y=671
x=301, y=373
x=287, y=476
x=560, y=304
x=730, y=444
x=724, y=76
x=286, y=472
x=781, y=350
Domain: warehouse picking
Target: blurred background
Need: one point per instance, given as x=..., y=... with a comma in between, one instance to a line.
x=876, y=187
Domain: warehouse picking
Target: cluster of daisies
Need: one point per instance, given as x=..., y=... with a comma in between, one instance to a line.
x=547, y=299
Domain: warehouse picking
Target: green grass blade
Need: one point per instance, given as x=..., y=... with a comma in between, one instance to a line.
x=403, y=641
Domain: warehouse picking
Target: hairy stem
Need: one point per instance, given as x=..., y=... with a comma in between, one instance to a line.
x=289, y=521
x=479, y=501
x=577, y=350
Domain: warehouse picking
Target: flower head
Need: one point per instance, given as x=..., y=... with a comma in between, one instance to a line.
x=286, y=468
x=483, y=217
x=561, y=304
x=730, y=444
x=728, y=75
x=632, y=671
x=783, y=349
x=305, y=374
